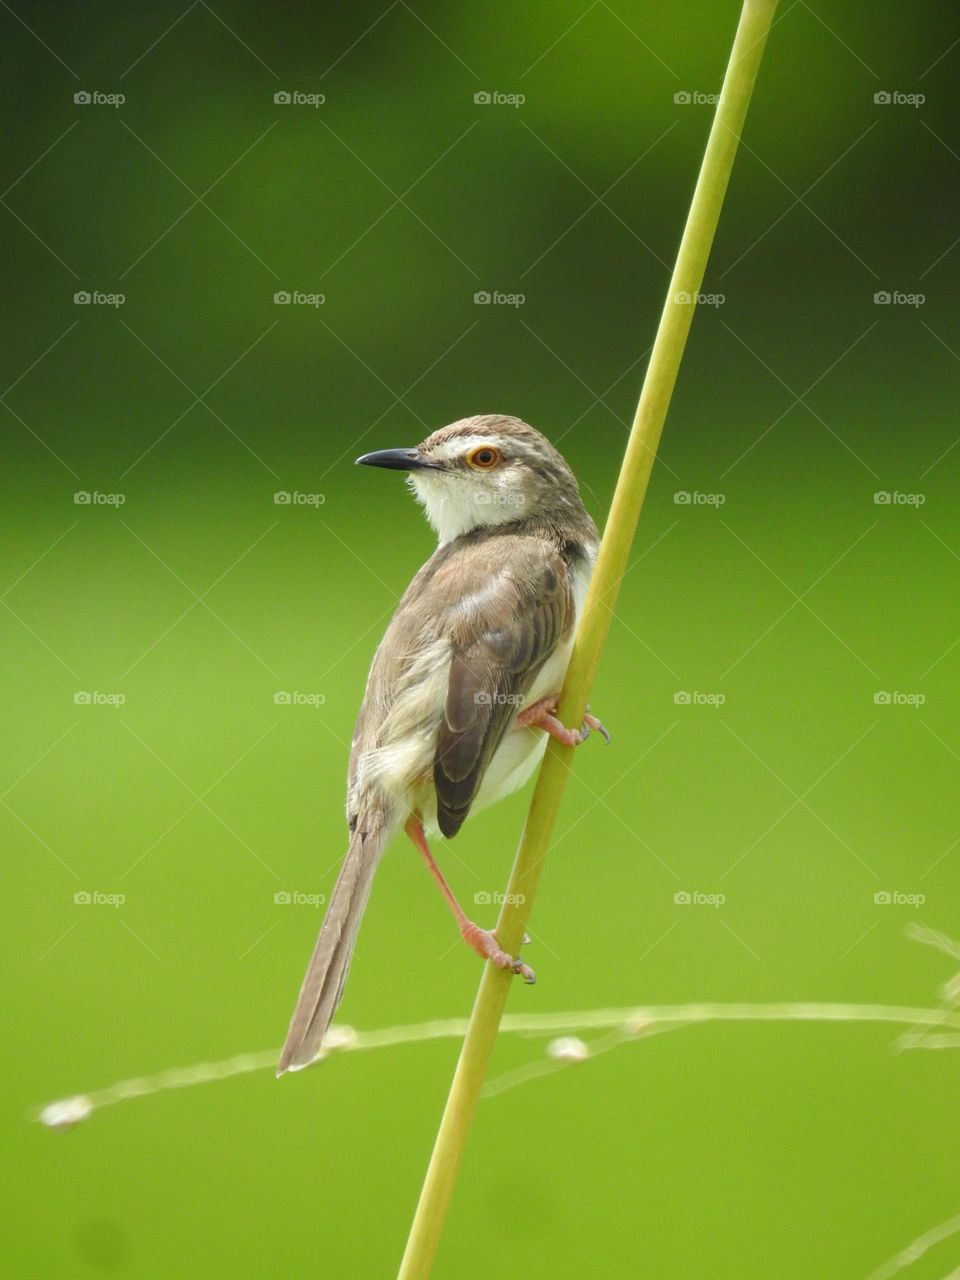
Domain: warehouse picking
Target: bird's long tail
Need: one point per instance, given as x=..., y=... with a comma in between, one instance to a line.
x=327, y=972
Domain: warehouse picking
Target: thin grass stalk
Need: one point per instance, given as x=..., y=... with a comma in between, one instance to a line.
x=437, y=1192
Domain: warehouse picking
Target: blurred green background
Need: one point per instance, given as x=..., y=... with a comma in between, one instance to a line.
x=781, y=587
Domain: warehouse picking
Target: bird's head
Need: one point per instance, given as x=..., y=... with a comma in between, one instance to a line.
x=483, y=471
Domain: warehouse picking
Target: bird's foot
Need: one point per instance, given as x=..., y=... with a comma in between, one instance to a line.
x=592, y=722
x=540, y=715
x=485, y=944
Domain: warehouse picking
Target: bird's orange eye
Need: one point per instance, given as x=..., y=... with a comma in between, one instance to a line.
x=483, y=458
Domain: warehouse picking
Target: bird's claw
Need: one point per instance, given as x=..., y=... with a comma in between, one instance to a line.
x=485, y=943
x=540, y=715
x=592, y=722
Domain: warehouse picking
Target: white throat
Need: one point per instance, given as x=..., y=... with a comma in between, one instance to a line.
x=454, y=506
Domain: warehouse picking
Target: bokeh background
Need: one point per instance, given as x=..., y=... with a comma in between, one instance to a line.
x=782, y=598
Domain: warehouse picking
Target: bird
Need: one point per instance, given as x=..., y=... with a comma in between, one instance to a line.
x=462, y=693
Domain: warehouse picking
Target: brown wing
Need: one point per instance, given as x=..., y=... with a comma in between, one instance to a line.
x=502, y=638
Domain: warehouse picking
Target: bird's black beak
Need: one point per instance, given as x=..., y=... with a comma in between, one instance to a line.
x=396, y=460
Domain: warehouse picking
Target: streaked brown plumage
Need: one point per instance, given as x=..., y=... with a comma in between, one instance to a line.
x=459, y=691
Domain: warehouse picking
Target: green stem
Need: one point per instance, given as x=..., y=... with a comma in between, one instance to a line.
x=658, y=385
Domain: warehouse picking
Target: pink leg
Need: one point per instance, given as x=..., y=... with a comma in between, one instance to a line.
x=482, y=941
x=539, y=715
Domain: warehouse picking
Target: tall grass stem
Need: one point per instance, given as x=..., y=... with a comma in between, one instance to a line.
x=684, y=289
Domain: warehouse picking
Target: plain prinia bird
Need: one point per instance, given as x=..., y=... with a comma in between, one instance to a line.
x=463, y=689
